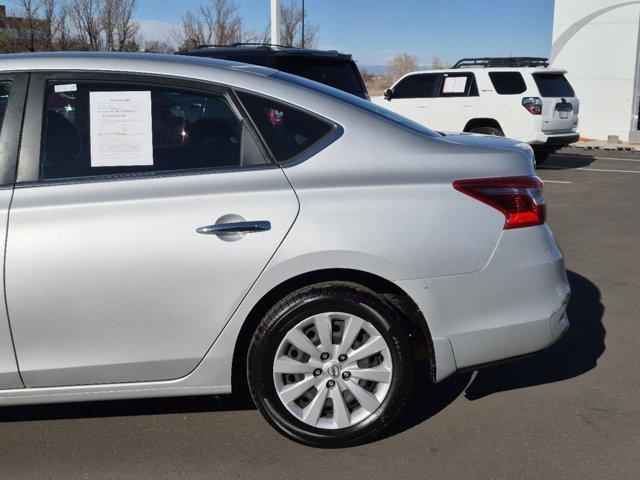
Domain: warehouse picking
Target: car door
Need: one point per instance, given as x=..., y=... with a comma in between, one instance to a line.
x=456, y=101
x=412, y=97
x=13, y=89
x=115, y=267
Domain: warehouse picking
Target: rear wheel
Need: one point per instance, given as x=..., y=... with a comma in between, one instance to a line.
x=331, y=365
x=496, y=132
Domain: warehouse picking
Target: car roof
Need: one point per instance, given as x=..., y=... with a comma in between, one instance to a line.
x=531, y=70
x=124, y=62
x=265, y=50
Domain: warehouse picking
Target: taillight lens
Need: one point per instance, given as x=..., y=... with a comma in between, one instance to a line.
x=533, y=105
x=520, y=199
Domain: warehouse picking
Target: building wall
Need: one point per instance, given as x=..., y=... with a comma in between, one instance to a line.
x=597, y=42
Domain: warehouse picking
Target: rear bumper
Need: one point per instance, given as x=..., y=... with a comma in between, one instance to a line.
x=555, y=140
x=513, y=307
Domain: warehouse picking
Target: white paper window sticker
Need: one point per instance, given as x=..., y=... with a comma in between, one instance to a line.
x=455, y=85
x=121, y=129
x=70, y=87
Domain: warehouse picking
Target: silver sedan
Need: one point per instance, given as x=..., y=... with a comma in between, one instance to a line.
x=182, y=226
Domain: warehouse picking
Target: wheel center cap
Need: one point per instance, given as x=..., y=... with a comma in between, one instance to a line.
x=333, y=369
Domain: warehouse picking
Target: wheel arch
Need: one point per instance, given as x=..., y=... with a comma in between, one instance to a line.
x=392, y=293
x=482, y=122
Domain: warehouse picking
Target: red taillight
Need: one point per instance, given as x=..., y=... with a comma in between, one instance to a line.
x=520, y=199
x=533, y=105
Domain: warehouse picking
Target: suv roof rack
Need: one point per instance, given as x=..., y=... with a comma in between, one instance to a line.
x=245, y=44
x=494, y=62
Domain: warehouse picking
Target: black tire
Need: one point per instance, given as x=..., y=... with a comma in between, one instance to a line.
x=541, y=154
x=496, y=132
x=289, y=312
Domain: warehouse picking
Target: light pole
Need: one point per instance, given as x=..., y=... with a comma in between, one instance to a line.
x=275, y=22
x=303, y=23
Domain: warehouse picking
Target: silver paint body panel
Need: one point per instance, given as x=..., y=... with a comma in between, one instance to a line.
x=94, y=269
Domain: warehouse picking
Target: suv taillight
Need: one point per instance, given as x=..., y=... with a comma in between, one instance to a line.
x=533, y=105
x=520, y=199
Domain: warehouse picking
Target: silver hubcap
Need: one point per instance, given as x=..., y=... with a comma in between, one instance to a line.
x=332, y=370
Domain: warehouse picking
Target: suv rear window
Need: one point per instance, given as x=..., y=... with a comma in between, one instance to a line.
x=287, y=131
x=553, y=85
x=343, y=76
x=508, y=83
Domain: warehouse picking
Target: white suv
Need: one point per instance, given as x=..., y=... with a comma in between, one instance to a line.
x=519, y=97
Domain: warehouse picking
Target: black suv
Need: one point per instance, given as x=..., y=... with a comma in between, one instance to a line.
x=332, y=68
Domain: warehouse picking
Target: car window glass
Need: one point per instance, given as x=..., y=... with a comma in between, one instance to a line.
x=415, y=86
x=286, y=130
x=5, y=89
x=458, y=85
x=508, y=83
x=341, y=75
x=186, y=130
x=553, y=85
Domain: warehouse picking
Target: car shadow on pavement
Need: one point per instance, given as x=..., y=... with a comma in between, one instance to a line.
x=125, y=408
x=575, y=353
x=566, y=162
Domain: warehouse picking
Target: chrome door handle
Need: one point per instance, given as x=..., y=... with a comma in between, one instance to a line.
x=235, y=228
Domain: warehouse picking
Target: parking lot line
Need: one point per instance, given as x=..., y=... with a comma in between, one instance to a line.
x=556, y=181
x=549, y=167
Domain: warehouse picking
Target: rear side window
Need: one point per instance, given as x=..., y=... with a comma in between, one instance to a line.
x=341, y=75
x=458, y=85
x=105, y=128
x=5, y=89
x=553, y=85
x=287, y=131
x=508, y=83
x=416, y=86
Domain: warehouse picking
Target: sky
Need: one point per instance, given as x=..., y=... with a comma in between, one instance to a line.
x=374, y=31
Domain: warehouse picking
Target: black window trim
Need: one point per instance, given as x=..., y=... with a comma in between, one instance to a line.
x=29, y=162
x=12, y=126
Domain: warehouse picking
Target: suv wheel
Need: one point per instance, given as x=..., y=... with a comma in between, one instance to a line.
x=331, y=365
x=541, y=154
x=496, y=132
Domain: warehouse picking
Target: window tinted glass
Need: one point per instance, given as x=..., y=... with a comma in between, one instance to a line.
x=553, y=85
x=508, y=83
x=5, y=89
x=415, y=86
x=287, y=131
x=187, y=130
x=360, y=103
x=458, y=85
x=343, y=76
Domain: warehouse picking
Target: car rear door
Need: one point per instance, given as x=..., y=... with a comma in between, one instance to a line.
x=13, y=89
x=110, y=277
x=456, y=101
x=559, y=104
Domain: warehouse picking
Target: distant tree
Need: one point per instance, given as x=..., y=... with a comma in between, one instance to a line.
x=157, y=46
x=437, y=64
x=87, y=19
x=215, y=23
x=401, y=64
x=291, y=26
x=119, y=27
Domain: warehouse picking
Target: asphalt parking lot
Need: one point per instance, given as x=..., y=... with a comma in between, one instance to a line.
x=572, y=411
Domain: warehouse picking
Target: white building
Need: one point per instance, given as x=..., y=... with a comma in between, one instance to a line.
x=598, y=42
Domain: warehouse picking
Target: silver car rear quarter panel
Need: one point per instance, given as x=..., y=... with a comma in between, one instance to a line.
x=512, y=307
